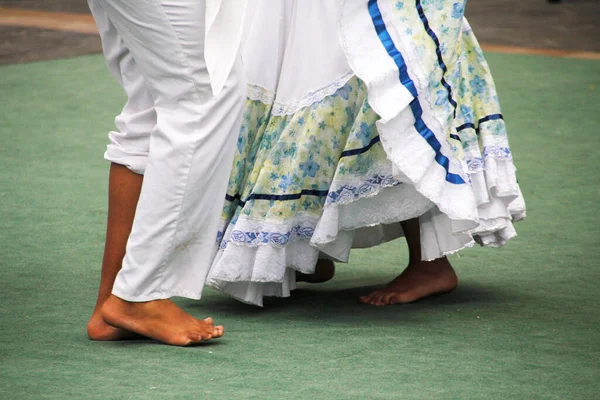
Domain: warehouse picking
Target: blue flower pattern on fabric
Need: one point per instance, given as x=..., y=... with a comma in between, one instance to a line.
x=344, y=92
x=310, y=168
x=365, y=134
x=442, y=97
x=459, y=10
x=437, y=4
x=467, y=112
x=478, y=85
x=285, y=182
x=299, y=156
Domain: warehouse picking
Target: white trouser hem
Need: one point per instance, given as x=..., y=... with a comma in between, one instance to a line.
x=156, y=296
x=134, y=162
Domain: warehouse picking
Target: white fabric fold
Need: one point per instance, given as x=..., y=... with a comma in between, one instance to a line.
x=224, y=27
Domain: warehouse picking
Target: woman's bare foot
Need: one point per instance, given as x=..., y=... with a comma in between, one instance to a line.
x=324, y=271
x=417, y=281
x=98, y=329
x=161, y=320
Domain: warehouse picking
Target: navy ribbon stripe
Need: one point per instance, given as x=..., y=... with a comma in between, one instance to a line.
x=307, y=192
x=276, y=197
x=470, y=125
x=233, y=198
x=415, y=106
x=438, y=52
x=408, y=83
x=355, y=152
x=465, y=126
x=492, y=117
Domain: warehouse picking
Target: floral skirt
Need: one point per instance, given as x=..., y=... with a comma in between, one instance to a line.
x=399, y=120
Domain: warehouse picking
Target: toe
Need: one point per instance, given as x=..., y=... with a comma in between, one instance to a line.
x=199, y=337
x=376, y=298
x=382, y=299
x=182, y=340
x=209, y=321
x=388, y=298
x=369, y=298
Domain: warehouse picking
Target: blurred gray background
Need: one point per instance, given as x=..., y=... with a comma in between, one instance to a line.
x=569, y=25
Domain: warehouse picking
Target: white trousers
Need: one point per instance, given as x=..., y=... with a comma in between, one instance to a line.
x=174, y=132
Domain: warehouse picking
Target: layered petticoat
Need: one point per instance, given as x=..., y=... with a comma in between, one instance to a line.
x=361, y=114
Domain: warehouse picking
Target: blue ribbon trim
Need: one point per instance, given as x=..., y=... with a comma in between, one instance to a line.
x=408, y=83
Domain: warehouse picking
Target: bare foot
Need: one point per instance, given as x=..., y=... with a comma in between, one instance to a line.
x=324, y=271
x=417, y=281
x=98, y=329
x=161, y=320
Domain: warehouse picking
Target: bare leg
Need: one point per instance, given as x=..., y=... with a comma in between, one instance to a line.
x=123, y=193
x=324, y=271
x=420, y=279
x=184, y=147
x=120, y=319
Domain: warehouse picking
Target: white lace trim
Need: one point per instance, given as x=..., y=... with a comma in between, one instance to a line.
x=254, y=233
x=262, y=265
x=259, y=93
x=405, y=147
x=251, y=270
x=266, y=261
x=368, y=184
x=256, y=92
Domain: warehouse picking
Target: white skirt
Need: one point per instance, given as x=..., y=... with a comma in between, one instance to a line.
x=361, y=114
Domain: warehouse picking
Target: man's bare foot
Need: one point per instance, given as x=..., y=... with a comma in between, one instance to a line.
x=98, y=329
x=417, y=281
x=161, y=320
x=324, y=271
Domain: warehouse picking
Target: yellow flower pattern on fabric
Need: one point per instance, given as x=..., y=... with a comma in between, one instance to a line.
x=288, y=167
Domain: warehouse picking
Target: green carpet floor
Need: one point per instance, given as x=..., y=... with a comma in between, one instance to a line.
x=523, y=324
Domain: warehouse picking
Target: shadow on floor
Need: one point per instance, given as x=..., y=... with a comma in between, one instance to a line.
x=342, y=305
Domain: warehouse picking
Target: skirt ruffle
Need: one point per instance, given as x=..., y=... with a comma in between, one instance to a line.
x=414, y=131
